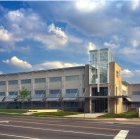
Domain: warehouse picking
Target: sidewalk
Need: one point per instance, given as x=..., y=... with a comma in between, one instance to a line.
x=86, y=115
x=94, y=116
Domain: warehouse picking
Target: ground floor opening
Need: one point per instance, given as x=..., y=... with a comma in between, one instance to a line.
x=99, y=105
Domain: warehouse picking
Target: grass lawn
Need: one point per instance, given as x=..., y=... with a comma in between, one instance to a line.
x=14, y=110
x=55, y=114
x=121, y=115
x=40, y=114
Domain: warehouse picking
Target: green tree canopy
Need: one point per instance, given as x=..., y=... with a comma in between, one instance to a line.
x=23, y=95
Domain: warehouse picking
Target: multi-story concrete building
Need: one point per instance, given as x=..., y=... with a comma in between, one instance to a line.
x=96, y=87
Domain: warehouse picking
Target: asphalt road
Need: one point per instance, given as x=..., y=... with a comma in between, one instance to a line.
x=13, y=127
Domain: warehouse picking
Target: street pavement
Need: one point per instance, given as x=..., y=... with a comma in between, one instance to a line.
x=19, y=127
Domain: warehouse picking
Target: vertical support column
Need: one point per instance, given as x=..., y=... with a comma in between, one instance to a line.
x=90, y=100
x=116, y=96
x=47, y=88
x=33, y=88
x=63, y=84
x=63, y=90
x=47, y=105
x=98, y=70
x=108, y=105
x=19, y=83
x=80, y=90
x=108, y=67
x=47, y=84
x=7, y=88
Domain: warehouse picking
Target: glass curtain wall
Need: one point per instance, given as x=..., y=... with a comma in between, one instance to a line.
x=99, y=65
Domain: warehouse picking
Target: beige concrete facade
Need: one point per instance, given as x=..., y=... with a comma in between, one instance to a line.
x=88, y=101
x=115, y=85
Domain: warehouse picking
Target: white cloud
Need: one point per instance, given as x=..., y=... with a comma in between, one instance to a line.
x=90, y=46
x=54, y=64
x=57, y=31
x=135, y=4
x=135, y=43
x=15, y=16
x=127, y=73
x=51, y=41
x=1, y=72
x=111, y=45
x=4, y=34
x=75, y=39
x=128, y=50
x=88, y=5
x=14, y=61
x=25, y=24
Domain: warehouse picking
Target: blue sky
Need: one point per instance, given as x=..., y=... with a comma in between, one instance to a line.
x=54, y=34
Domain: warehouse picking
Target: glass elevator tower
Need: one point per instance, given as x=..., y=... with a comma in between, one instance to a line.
x=99, y=66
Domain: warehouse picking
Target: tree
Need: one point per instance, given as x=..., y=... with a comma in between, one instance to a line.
x=23, y=95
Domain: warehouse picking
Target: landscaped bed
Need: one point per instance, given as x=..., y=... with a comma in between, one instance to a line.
x=121, y=115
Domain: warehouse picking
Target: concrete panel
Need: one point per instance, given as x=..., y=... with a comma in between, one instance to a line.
x=2, y=88
x=25, y=76
x=13, y=87
x=55, y=85
x=40, y=86
x=72, y=84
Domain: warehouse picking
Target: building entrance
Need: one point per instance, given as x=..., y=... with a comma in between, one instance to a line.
x=99, y=105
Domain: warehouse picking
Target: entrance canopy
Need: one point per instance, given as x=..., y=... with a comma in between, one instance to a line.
x=11, y=98
x=134, y=98
x=2, y=98
x=39, y=97
x=70, y=97
x=53, y=97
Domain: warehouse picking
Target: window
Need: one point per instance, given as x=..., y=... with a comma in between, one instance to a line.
x=72, y=78
x=13, y=93
x=135, y=105
x=2, y=93
x=55, y=91
x=123, y=92
x=40, y=80
x=55, y=79
x=71, y=90
x=2, y=105
x=26, y=104
x=25, y=81
x=2, y=83
x=136, y=92
x=39, y=92
x=55, y=104
x=40, y=104
x=13, y=82
x=103, y=91
x=71, y=104
x=13, y=105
